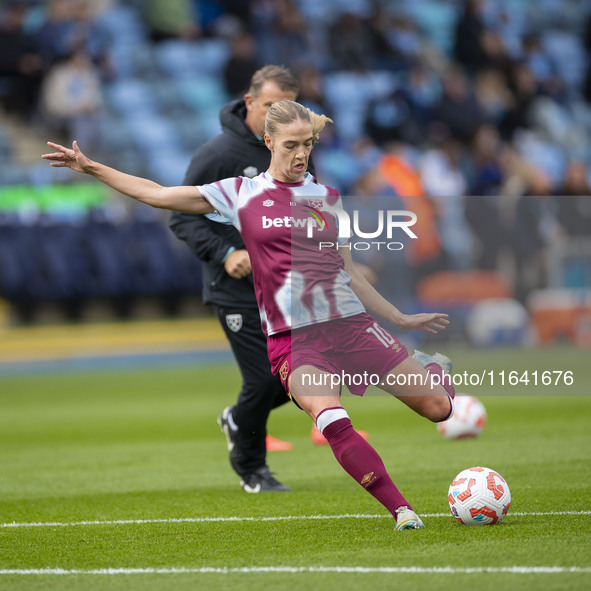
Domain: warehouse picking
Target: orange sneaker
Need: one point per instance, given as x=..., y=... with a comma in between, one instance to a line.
x=274, y=444
x=319, y=439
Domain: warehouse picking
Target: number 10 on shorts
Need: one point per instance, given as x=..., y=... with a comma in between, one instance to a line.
x=382, y=335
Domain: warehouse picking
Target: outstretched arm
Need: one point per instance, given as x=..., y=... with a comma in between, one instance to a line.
x=183, y=198
x=209, y=241
x=376, y=304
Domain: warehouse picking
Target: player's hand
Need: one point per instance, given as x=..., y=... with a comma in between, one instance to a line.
x=237, y=264
x=68, y=157
x=432, y=322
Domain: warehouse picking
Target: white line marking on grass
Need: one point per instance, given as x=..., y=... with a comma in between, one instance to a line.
x=519, y=570
x=261, y=519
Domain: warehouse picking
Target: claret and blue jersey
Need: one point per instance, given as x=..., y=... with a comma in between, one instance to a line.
x=296, y=282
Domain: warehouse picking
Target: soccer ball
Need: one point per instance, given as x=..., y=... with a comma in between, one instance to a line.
x=468, y=421
x=479, y=496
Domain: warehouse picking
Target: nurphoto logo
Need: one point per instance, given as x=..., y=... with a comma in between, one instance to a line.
x=387, y=221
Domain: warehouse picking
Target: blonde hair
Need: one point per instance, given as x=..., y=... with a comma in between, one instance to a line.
x=285, y=112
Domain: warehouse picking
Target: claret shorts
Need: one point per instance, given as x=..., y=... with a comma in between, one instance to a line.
x=354, y=346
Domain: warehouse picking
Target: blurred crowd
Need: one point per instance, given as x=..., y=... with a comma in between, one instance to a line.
x=434, y=98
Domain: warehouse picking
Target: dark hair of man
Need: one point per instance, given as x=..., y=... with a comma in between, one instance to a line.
x=284, y=79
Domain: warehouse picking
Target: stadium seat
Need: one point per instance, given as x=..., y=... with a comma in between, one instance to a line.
x=152, y=133
x=15, y=243
x=561, y=314
x=131, y=97
x=437, y=20
x=5, y=147
x=448, y=288
x=349, y=94
x=110, y=272
x=567, y=54
x=188, y=59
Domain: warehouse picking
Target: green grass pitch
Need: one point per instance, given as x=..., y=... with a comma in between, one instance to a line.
x=143, y=448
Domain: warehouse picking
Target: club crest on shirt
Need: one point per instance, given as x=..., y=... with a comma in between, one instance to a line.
x=250, y=171
x=268, y=203
x=234, y=322
x=316, y=203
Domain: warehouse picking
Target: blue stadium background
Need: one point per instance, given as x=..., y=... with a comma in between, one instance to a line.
x=433, y=101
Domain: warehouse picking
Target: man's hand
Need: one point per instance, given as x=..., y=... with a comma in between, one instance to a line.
x=237, y=264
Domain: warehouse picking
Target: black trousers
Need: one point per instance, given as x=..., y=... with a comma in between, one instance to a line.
x=261, y=390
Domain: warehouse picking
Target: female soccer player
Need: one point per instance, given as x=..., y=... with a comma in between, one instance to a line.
x=312, y=300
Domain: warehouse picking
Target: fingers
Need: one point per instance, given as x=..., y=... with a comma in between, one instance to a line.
x=441, y=317
x=435, y=323
x=237, y=265
x=240, y=272
x=57, y=146
x=237, y=271
x=60, y=156
x=431, y=323
x=63, y=150
x=438, y=322
x=434, y=327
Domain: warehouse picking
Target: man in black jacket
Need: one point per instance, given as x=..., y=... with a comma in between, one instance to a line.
x=227, y=281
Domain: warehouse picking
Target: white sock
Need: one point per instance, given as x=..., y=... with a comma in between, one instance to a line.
x=330, y=415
